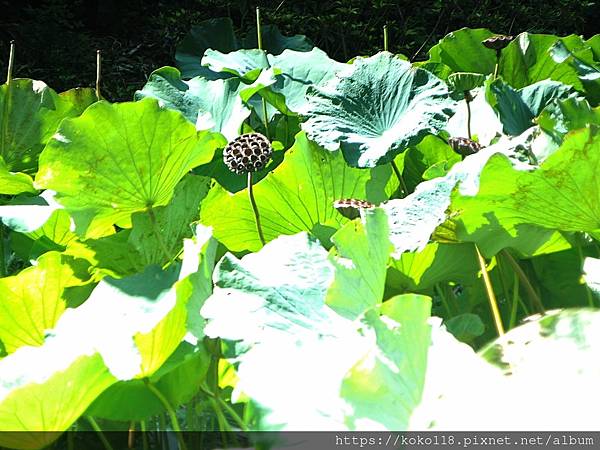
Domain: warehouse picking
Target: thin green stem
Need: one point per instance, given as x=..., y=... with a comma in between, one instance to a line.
x=385, y=38
x=170, y=411
x=490, y=293
x=468, y=117
x=11, y=62
x=400, y=178
x=3, y=268
x=533, y=296
x=255, y=209
x=258, y=30
x=515, y=302
x=98, y=73
x=443, y=299
x=497, y=66
x=97, y=429
x=260, y=47
x=131, y=435
x=156, y=231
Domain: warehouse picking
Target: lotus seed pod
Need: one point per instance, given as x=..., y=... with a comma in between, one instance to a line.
x=464, y=146
x=497, y=42
x=247, y=153
x=350, y=207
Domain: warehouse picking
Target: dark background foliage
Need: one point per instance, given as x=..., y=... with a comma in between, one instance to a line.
x=56, y=39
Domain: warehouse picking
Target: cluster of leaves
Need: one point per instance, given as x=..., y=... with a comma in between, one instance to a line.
x=135, y=283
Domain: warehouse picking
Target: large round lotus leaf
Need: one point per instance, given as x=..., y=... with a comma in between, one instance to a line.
x=119, y=159
x=376, y=108
x=29, y=113
x=297, y=196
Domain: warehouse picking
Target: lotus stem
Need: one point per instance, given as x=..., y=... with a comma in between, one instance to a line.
x=497, y=66
x=156, y=232
x=515, y=302
x=170, y=411
x=11, y=62
x=3, y=268
x=534, y=297
x=131, y=435
x=468, y=102
x=255, y=209
x=260, y=47
x=385, y=38
x=490, y=293
x=98, y=72
x=400, y=178
x=98, y=430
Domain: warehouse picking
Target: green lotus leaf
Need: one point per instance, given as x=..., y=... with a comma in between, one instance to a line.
x=299, y=71
x=14, y=183
x=215, y=105
x=594, y=44
x=559, y=279
x=413, y=219
x=80, y=98
x=279, y=295
x=131, y=251
x=362, y=250
x=178, y=380
x=217, y=34
x=465, y=81
x=430, y=151
x=465, y=327
x=586, y=68
x=29, y=114
x=517, y=108
x=561, y=195
x=552, y=351
x=297, y=196
x=33, y=300
x=246, y=64
x=565, y=115
x=386, y=385
x=375, y=109
x=116, y=160
x=463, y=51
x=42, y=382
x=529, y=59
x=418, y=271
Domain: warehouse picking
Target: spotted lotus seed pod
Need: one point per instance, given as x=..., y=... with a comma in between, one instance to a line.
x=464, y=146
x=247, y=153
x=350, y=207
x=497, y=42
